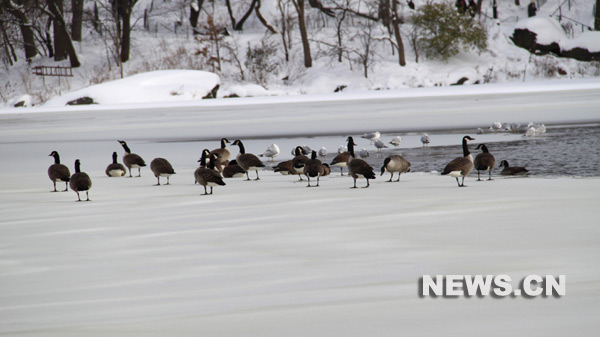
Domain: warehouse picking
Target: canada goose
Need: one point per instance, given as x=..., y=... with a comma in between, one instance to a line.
x=223, y=155
x=358, y=168
x=115, y=169
x=58, y=172
x=207, y=176
x=285, y=167
x=372, y=136
x=299, y=160
x=396, y=141
x=425, y=139
x=132, y=160
x=161, y=168
x=271, y=151
x=313, y=168
x=233, y=170
x=341, y=160
x=395, y=163
x=80, y=181
x=379, y=144
x=322, y=152
x=484, y=161
x=461, y=166
x=512, y=170
x=204, y=158
x=326, y=170
x=248, y=161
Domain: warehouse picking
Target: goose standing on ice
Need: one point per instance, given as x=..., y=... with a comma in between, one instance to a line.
x=58, y=172
x=358, y=168
x=396, y=141
x=271, y=151
x=313, y=168
x=132, y=160
x=299, y=160
x=208, y=176
x=248, y=161
x=161, y=168
x=395, y=163
x=425, y=139
x=342, y=159
x=484, y=161
x=461, y=166
x=223, y=155
x=115, y=169
x=512, y=170
x=80, y=181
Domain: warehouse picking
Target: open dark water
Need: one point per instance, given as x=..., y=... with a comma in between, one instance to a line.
x=561, y=151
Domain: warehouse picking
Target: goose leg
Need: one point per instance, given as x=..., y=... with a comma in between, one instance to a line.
x=490, y=176
x=342, y=170
x=308, y=178
x=66, y=187
x=139, y=172
x=167, y=180
x=247, y=176
x=157, y=178
x=87, y=196
x=211, y=190
x=354, y=184
x=463, y=182
x=78, y=198
x=205, y=191
x=457, y=182
x=54, y=187
x=300, y=178
x=257, y=178
x=478, y=176
x=318, y=180
x=399, y=176
x=367, y=184
x=130, y=176
x=391, y=176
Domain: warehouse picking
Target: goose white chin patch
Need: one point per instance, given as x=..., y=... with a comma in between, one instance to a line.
x=455, y=174
x=116, y=173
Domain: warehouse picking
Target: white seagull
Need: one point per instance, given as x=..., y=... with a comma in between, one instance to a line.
x=396, y=141
x=425, y=139
x=271, y=151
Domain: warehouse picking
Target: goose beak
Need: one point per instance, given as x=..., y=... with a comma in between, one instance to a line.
x=382, y=170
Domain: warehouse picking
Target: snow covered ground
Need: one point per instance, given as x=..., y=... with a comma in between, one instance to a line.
x=274, y=258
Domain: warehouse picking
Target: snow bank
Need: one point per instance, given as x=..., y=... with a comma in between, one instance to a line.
x=547, y=29
x=157, y=86
x=587, y=40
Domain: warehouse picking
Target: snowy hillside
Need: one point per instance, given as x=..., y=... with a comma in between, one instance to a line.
x=164, y=40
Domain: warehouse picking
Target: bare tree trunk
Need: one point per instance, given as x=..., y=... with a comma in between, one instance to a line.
x=60, y=31
x=240, y=24
x=299, y=4
x=8, y=47
x=195, y=13
x=264, y=21
x=400, y=44
x=60, y=45
x=76, y=23
x=126, y=30
x=228, y=4
x=597, y=16
x=26, y=30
